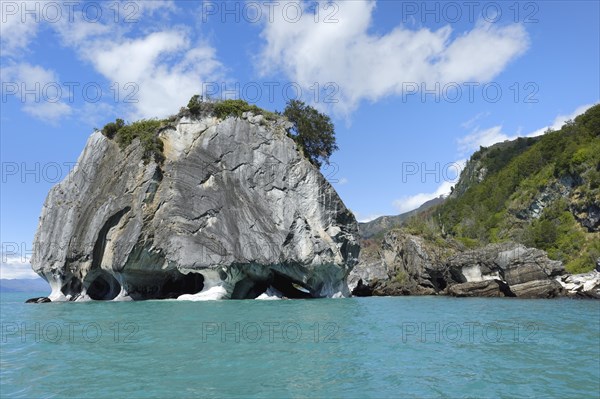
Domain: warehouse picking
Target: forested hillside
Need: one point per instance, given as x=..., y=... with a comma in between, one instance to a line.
x=543, y=192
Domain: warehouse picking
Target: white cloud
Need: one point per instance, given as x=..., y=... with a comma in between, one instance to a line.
x=16, y=32
x=150, y=7
x=370, y=66
x=167, y=66
x=42, y=105
x=30, y=74
x=168, y=69
x=48, y=112
x=485, y=138
x=410, y=202
x=492, y=47
x=20, y=22
x=471, y=122
x=78, y=31
x=560, y=120
x=495, y=134
x=16, y=267
x=366, y=218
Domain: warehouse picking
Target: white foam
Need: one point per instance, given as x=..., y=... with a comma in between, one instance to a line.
x=56, y=295
x=211, y=294
x=123, y=296
x=83, y=298
x=270, y=294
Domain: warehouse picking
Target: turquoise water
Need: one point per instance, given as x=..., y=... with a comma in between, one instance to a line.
x=359, y=347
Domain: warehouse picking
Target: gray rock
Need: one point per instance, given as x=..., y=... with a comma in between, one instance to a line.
x=415, y=266
x=510, y=262
x=586, y=285
x=589, y=217
x=234, y=204
x=476, y=265
x=404, y=264
x=538, y=289
x=484, y=288
x=41, y=299
x=366, y=272
x=521, y=265
x=548, y=195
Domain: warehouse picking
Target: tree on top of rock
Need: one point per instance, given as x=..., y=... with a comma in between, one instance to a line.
x=313, y=131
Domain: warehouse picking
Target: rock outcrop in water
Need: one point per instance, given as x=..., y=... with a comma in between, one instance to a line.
x=233, y=211
x=405, y=264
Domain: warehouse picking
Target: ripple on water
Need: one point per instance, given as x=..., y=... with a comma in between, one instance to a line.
x=369, y=353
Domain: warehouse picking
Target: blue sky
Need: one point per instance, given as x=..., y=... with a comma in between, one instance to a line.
x=413, y=87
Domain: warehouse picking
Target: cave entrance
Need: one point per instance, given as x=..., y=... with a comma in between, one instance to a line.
x=72, y=286
x=288, y=287
x=104, y=287
x=438, y=281
x=249, y=289
x=178, y=284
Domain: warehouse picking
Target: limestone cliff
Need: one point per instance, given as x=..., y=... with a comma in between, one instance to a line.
x=233, y=205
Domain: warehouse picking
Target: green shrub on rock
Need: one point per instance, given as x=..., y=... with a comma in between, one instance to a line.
x=112, y=128
x=146, y=130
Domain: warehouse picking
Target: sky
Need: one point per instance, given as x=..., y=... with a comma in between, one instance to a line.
x=414, y=88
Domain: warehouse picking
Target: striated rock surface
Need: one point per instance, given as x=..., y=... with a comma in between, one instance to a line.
x=538, y=289
x=484, y=288
x=403, y=264
x=416, y=266
x=234, y=206
x=509, y=262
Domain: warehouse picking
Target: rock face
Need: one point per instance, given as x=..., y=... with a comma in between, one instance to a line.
x=586, y=285
x=415, y=266
x=404, y=264
x=41, y=299
x=509, y=262
x=486, y=288
x=234, y=205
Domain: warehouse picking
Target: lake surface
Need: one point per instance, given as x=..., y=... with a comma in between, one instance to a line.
x=358, y=347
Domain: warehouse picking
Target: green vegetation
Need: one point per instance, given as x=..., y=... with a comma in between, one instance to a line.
x=225, y=108
x=195, y=104
x=111, y=128
x=424, y=227
x=146, y=130
x=313, y=131
x=236, y=108
x=401, y=277
x=517, y=174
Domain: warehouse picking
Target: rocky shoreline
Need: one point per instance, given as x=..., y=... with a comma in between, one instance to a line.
x=406, y=264
x=230, y=207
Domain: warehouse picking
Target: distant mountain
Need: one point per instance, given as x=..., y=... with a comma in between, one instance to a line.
x=24, y=285
x=384, y=223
